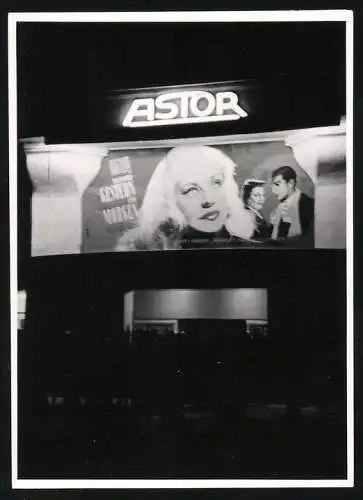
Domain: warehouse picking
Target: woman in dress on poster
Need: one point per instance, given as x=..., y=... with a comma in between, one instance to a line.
x=254, y=197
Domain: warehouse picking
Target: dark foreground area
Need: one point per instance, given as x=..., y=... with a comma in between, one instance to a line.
x=264, y=442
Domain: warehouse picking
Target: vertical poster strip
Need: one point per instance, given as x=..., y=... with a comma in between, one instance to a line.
x=110, y=205
x=122, y=192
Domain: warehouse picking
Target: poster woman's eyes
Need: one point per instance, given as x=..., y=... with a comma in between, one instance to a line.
x=212, y=182
x=217, y=180
x=189, y=189
x=201, y=197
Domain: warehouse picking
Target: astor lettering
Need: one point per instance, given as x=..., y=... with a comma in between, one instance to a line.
x=184, y=107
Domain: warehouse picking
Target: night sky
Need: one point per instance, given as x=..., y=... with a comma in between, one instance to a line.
x=63, y=66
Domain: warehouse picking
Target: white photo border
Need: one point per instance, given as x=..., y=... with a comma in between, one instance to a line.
x=149, y=17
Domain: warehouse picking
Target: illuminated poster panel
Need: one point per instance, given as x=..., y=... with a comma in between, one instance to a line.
x=199, y=197
x=227, y=303
x=276, y=190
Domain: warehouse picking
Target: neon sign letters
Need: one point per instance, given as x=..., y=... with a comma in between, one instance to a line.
x=184, y=107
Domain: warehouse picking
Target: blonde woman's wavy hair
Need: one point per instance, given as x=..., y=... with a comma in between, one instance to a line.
x=159, y=205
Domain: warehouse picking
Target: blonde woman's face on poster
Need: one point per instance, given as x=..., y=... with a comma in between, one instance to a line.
x=201, y=196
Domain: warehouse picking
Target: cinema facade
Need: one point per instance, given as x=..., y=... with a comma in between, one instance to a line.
x=88, y=193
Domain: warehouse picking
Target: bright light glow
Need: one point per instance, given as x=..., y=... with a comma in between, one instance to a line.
x=172, y=106
x=137, y=109
x=165, y=111
x=226, y=101
x=194, y=102
x=21, y=301
x=180, y=121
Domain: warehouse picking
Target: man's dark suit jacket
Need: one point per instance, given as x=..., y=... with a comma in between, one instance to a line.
x=306, y=215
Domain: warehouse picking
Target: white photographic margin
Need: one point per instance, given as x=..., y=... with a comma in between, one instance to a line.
x=208, y=16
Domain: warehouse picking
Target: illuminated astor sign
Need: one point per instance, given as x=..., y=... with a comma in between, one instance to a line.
x=184, y=107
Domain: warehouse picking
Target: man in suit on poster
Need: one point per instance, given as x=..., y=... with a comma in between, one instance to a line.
x=293, y=219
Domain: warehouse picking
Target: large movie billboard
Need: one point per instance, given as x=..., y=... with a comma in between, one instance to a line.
x=195, y=196
x=258, y=190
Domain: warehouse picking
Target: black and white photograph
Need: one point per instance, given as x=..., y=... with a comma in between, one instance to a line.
x=181, y=284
